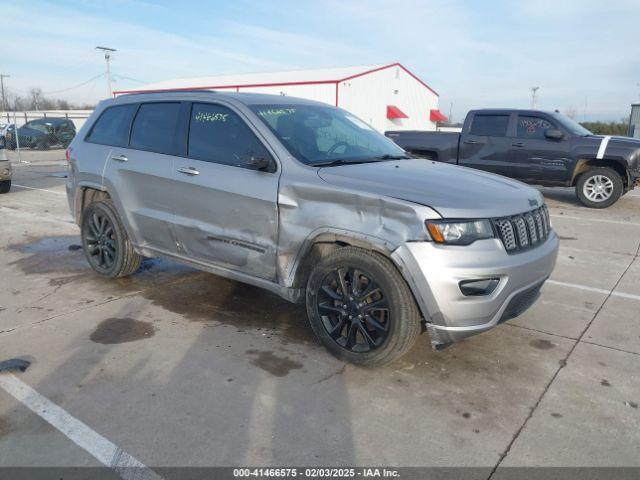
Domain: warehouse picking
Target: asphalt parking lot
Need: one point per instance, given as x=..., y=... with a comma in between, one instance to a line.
x=178, y=367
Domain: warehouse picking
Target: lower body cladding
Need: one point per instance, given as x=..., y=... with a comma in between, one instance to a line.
x=438, y=275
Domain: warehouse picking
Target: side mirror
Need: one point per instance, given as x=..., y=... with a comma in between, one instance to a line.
x=262, y=164
x=554, y=134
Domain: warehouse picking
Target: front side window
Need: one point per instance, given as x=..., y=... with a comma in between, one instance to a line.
x=112, y=128
x=490, y=125
x=219, y=135
x=154, y=128
x=533, y=128
x=317, y=134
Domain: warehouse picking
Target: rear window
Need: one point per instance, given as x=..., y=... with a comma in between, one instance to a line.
x=154, y=128
x=490, y=125
x=112, y=128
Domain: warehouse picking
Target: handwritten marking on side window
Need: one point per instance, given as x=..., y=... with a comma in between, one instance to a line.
x=277, y=111
x=211, y=117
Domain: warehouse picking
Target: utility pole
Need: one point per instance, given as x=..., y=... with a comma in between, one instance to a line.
x=107, y=56
x=534, y=95
x=4, y=99
x=450, y=112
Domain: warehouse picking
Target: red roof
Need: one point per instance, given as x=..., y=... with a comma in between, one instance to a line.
x=278, y=83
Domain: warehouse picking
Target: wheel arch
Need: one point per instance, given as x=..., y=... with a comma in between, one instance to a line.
x=87, y=193
x=322, y=242
x=584, y=164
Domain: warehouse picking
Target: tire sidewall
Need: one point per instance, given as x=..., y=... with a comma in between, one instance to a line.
x=612, y=175
x=371, y=267
x=119, y=235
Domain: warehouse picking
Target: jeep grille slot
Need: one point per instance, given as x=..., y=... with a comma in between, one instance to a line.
x=524, y=231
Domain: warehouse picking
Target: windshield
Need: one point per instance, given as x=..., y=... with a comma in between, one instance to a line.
x=40, y=126
x=317, y=135
x=574, y=127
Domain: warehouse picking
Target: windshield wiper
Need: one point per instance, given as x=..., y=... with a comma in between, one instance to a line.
x=342, y=161
x=393, y=157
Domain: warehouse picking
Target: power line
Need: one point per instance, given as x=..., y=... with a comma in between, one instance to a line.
x=128, y=78
x=75, y=86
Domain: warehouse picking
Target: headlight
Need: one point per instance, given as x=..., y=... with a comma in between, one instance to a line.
x=459, y=233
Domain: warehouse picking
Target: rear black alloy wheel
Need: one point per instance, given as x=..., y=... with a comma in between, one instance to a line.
x=354, y=309
x=361, y=308
x=105, y=241
x=101, y=244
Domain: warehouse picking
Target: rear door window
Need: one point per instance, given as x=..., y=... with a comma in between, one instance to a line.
x=219, y=135
x=112, y=128
x=154, y=128
x=533, y=127
x=490, y=125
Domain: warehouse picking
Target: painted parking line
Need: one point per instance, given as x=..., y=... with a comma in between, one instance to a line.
x=39, y=189
x=596, y=290
x=107, y=453
x=599, y=220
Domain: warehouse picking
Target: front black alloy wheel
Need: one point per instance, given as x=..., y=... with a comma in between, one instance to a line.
x=354, y=309
x=361, y=308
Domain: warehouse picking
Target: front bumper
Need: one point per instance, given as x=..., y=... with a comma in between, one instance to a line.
x=434, y=272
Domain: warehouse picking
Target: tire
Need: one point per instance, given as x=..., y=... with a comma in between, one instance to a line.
x=396, y=313
x=42, y=144
x=5, y=186
x=599, y=187
x=101, y=230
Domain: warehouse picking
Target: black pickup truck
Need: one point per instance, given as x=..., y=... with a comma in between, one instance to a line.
x=536, y=147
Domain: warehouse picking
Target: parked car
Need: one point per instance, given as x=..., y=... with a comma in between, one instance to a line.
x=536, y=147
x=309, y=202
x=43, y=133
x=4, y=129
x=5, y=172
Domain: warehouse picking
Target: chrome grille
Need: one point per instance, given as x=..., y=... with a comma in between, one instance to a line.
x=527, y=230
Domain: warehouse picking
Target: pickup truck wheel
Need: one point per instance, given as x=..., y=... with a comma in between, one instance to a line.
x=5, y=186
x=106, y=243
x=599, y=187
x=360, y=307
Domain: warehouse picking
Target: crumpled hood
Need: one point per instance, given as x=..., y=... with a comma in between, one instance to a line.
x=453, y=191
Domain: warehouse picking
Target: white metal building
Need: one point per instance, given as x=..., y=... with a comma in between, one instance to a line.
x=634, y=121
x=389, y=97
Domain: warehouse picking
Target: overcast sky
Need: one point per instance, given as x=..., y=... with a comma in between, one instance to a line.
x=475, y=53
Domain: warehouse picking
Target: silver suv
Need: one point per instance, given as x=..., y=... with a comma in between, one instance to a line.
x=308, y=201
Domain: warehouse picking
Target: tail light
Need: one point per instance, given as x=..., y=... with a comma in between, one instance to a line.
x=67, y=154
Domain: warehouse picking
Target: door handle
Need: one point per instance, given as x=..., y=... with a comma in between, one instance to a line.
x=120, y=158
x=470, y=142
x=517, y=144
x=189, y=171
